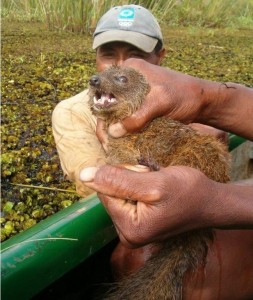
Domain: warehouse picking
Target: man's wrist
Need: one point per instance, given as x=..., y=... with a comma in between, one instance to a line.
x=227, y=106
x=212, y=97
x=232, y=206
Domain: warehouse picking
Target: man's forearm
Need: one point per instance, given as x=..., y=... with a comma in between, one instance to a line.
x=228, y=106
x=234, y=206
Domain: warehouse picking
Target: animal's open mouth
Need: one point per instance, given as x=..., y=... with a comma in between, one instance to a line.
x=102, y=100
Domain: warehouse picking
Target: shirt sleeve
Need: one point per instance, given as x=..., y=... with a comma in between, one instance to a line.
x=74, y=130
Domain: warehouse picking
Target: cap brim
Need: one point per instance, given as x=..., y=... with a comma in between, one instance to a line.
x=139, y=40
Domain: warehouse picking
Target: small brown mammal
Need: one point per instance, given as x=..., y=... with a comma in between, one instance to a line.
x=116, y=93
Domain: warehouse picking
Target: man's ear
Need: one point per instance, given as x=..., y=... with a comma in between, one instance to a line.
x=161, y=55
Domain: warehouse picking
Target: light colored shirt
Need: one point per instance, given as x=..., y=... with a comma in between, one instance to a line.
x=74, y=130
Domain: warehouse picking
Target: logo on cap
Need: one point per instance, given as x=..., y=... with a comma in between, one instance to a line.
x=126, y=17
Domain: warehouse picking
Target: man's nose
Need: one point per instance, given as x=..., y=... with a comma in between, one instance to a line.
x=94, y=81
x=119, y=62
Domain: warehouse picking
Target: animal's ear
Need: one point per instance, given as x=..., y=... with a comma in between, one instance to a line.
x=145, y=84
x=146, y=87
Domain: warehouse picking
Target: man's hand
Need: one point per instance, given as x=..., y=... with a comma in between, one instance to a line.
x=152, y=206
x=172, y=94
x=189, y=99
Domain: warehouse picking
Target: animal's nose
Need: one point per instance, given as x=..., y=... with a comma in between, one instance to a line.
x=95, y=81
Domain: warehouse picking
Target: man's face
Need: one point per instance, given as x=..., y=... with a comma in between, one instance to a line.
x=116, y=53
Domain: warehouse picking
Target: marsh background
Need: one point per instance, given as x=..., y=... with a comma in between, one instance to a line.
x=47, y=57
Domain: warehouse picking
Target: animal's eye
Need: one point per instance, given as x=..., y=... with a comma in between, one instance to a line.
x=121, y=79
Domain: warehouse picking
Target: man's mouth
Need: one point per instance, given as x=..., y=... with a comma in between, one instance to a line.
x=104, y=100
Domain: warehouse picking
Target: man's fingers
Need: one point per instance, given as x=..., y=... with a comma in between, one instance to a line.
x=125, y=184
x=101, y=134
x=125, y=218
x=137, y=121
x=88, y=174
x=117, y=130
x=208, y=130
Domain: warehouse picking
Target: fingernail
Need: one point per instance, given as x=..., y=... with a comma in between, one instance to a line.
x=141, y=168
x=117, y=130
x=88, y=174
x=137, y=168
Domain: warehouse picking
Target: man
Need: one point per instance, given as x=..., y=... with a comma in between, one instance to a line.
x=122, y=33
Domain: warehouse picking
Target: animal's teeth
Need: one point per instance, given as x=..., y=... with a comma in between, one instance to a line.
x=96, y=100
x=105, y=98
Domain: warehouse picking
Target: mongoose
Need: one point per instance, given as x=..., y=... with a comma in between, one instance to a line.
x=116, y=93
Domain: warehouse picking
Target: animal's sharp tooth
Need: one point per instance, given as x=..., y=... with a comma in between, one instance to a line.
x=96, y=100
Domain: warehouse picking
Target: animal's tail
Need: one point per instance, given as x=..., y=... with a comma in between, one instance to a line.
x=162, y=276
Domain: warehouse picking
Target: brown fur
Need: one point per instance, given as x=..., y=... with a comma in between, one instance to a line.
x=164, y=142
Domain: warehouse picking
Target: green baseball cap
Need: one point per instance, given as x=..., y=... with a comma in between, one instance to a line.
x=131, y=24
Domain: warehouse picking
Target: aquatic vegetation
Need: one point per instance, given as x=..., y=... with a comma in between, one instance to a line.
x=41, y=68
x=34, y=81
